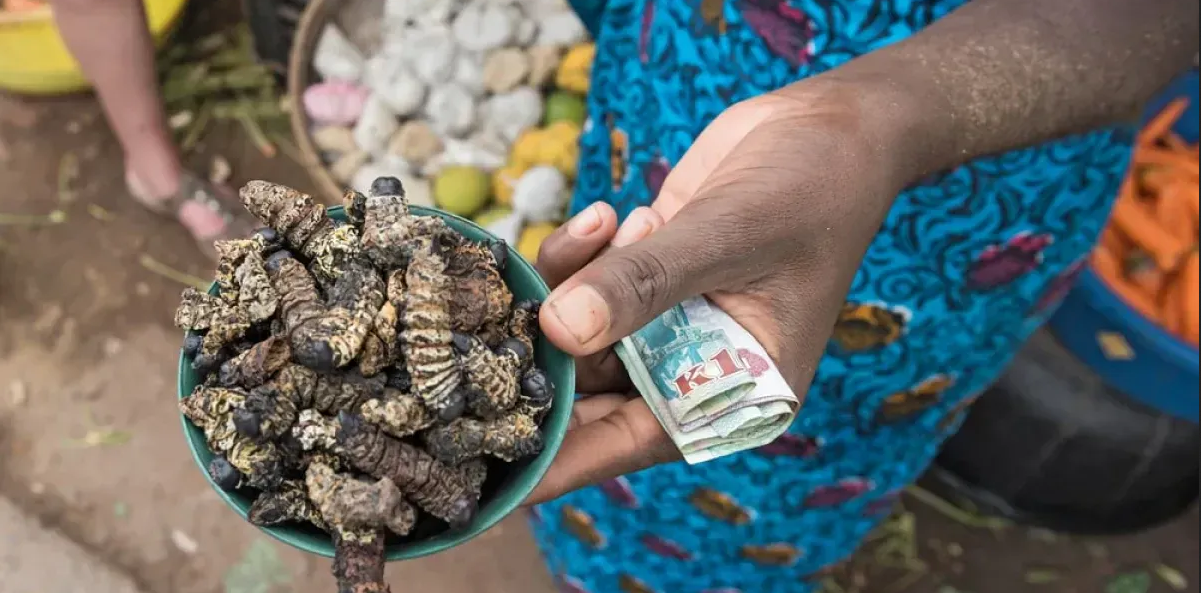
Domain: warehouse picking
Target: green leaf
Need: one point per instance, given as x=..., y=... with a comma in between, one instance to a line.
x=1174, y=578
x=1131, y=582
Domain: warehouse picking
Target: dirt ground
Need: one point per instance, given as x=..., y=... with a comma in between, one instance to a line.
x=90, y=438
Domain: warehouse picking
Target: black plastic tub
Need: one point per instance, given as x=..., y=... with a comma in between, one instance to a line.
x=1050, y=445
x=273, y=26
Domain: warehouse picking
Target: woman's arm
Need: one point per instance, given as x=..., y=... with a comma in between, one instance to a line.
x=1001, y=74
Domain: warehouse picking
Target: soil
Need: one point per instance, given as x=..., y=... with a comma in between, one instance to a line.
x=90, y=437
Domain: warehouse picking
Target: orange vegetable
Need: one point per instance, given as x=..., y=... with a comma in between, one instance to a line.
x=1148, y=253
x=1194, y=203
x=1110, y=269
x=1190, y=284
x=1137, y=222
x=1174, y=212
x=1113, y=240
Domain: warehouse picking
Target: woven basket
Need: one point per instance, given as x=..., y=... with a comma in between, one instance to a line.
x=300, y=75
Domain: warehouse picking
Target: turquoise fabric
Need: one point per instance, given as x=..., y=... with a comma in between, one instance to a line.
x=966, y=266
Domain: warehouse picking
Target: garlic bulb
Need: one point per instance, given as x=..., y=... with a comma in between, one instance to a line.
x=335, y=57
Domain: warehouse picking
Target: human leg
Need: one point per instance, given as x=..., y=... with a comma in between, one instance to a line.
x=112, y=43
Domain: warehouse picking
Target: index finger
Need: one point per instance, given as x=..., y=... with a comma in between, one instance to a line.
x=575, y=243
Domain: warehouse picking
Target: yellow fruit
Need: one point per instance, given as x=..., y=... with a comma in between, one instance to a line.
x=461, y=190
x=532, y=237
x=565, y=131
x=576, y=68
x=503, y=180
x=563, y=106
x=567, y=160
x=524, y=153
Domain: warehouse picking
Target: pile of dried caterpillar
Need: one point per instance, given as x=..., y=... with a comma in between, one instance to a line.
x=360, y=374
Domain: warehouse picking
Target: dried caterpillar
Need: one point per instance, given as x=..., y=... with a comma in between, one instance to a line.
x=397, y=413
x=478, y=294
x=389, y=228
x=348, y=503
x=441, y=491
x=426, y=338
x=509, y=437
x=326, y=337
x=275, y=406
x=304, y=224
x=290, y=503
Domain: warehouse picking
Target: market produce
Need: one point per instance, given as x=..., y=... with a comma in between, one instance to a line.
x=358, y=374
x=449, y=92
x=1148, y=253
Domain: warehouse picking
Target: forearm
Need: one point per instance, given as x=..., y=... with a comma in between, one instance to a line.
x=1001, y=74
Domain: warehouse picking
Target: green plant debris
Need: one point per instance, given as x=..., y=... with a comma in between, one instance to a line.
x=170, y=273
x=100, y=213
x=1131, y=582
x=120, y=510
x=196, y=128
x=259, y=571
x=103, y=436
x=1042, y=576
x=54, y=217
x=99, y=435
x=68, y=173
x=257, y=135
x=217, y=78
x=955, y=513
x=1172, y=577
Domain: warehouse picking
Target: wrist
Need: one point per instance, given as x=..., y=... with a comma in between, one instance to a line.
x=905, y=124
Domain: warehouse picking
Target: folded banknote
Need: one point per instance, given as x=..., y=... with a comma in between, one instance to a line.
x=709, y=381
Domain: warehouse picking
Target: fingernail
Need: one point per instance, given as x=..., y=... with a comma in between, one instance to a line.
x=634, y=229
x=582, y=311
x=585, y=223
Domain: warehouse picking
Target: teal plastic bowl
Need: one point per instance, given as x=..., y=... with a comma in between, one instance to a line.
x=507, y=485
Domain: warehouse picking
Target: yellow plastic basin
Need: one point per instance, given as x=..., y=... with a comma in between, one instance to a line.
x=33, y=59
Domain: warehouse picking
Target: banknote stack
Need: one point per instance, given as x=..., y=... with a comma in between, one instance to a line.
x=708, y=381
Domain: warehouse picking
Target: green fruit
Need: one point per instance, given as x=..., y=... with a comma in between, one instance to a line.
x=564, y=106
x=491, y=215
x=461, y=190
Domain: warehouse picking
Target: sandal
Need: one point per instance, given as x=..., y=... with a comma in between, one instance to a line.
x=236, y=224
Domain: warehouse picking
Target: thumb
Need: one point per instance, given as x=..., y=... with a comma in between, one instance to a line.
x=628, y=286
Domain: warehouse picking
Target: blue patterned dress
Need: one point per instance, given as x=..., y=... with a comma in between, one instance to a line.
x=965, y=267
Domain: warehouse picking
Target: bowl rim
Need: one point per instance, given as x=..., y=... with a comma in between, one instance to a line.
x=554, y=431
x=1172, y=348
x=312, y=22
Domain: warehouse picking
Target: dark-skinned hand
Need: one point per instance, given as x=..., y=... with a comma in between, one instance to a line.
x=768, y=214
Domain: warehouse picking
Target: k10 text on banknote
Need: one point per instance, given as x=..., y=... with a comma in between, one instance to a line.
x=709, y=382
